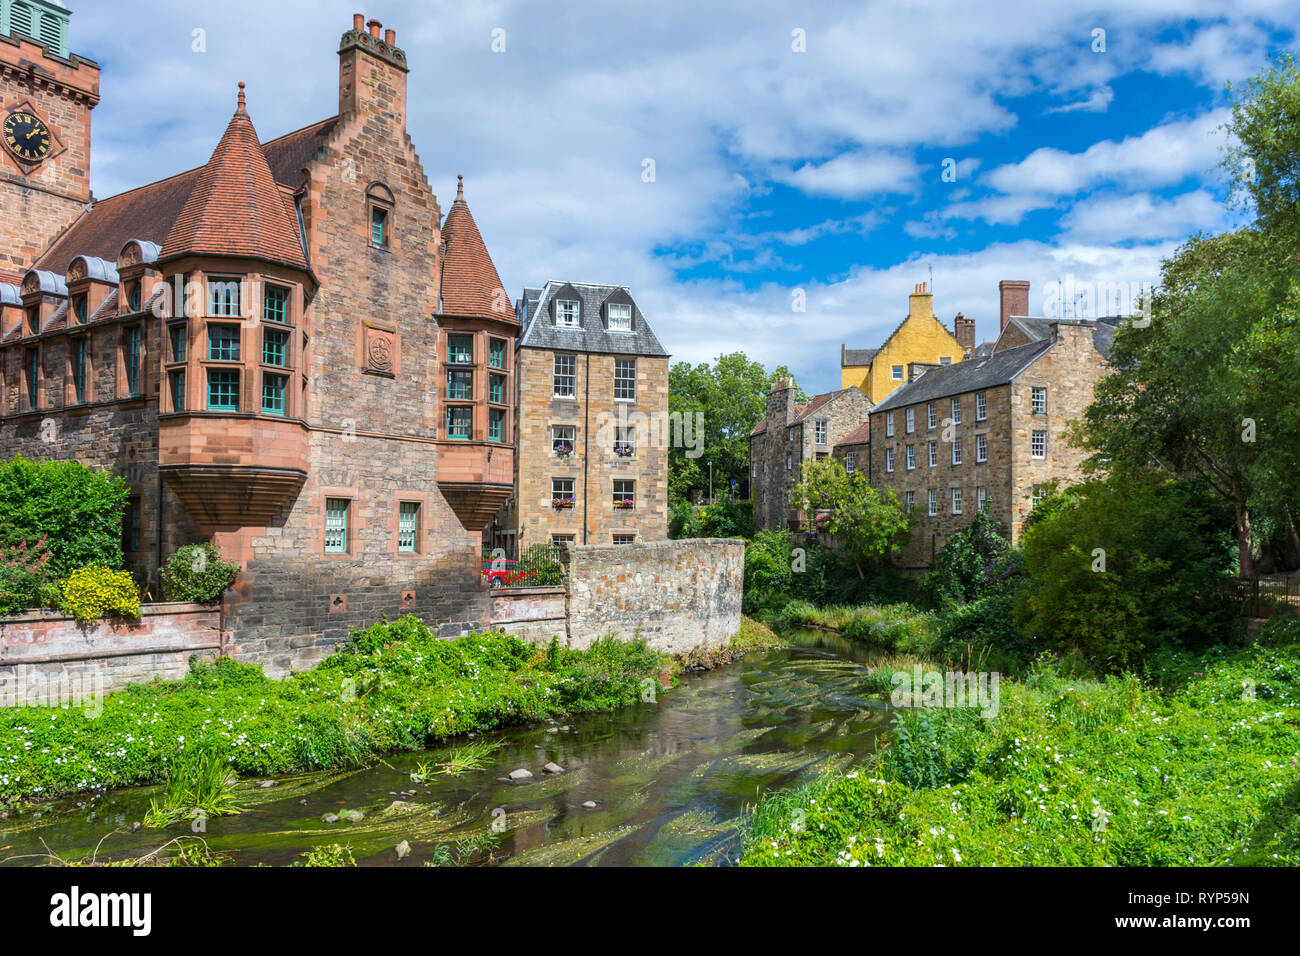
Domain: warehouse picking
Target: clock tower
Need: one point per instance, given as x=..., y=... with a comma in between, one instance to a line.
x=46, y=95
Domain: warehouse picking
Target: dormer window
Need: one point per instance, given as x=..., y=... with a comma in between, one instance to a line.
x=566, y=312
x=620, y=317
x=79, y=309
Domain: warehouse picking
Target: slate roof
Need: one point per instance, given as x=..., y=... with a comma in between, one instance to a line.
x=236, y=208
x=1103, y=330
x=858, y=436
x=471, y=285
x=149, y=212
x=590, y=335
x=857, y=356
x=969, y=376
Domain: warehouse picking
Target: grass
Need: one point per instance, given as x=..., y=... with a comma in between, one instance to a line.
x=471, y=756
x=899, y=628
x=751, y=637
x=1070, y=772
x=394, y=687
x=199, y=783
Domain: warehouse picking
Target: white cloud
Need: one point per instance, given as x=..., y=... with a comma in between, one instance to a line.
x=1144, y=217
x=855, y=175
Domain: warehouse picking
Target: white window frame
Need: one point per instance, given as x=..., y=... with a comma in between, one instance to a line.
x=981, y=406
x=932, y=455
x=956, y=501
x=568, y=313
x=1038, y=399
x=896, y=373
x=910, y=499
x=911, y=457
x=982, y=447
x=622, y=321
x=909, y=421
x=850, y=462
x=981, y=498
x=931, y=415
x=564, y=433
x=956, y=411
x=956, y=451
x=819, y=431
x=889, y=459
x=934, y=503
x=624, y=387
x=1038, y=444
x=889, y=424
x=570, y=375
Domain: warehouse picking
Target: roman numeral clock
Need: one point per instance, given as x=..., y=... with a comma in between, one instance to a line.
x=27, y=136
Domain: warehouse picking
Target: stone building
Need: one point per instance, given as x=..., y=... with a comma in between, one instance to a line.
x=287, y=350
x=920, y=337
x=990, y=432
x=592, y=460
x=790, y=434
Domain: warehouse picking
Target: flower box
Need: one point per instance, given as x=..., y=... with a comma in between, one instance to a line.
x=562, y=502
x=624, y=451
x=623, y=503
x=562, y=449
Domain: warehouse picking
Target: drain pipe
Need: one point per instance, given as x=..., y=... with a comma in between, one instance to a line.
x=586, y=444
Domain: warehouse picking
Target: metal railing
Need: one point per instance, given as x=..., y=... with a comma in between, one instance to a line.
x=539, y=566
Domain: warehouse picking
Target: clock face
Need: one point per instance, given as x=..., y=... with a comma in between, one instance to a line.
x=26, y=136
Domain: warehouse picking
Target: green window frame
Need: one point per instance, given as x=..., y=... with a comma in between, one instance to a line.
x=33, y=377
x=460, y=384
x=336, y=525
x=496, y=424
x=273, y=391
x=131, y=353
x=223, y=390
x=275, y=348
x=79, y=368
x=275, y=301
x=497, y=389
x=133, y=297
x=223, y=297
x=223, y=342
x=408, y=521
x=460, y=350
x=378, y=226
x=176, y=382
x=79, y=309
x=497, y=353
x=180, y=340
x=460, y=422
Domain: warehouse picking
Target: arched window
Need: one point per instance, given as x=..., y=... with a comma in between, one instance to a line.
x=379, y=214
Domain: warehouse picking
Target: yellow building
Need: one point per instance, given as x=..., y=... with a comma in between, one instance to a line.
x=920, y=338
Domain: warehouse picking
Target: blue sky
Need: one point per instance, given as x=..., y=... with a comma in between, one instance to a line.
x=777, y=172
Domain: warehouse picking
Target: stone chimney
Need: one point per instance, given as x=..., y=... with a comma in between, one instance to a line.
x=921, y=301
x=780, y=403
x=1015, y=299
x=372, y=72
x=963, y=330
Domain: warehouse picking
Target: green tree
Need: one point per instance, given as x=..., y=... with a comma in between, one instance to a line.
x=731, y=394
x=868, y=523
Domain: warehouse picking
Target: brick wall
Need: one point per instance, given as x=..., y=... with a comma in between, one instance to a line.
x=677, y=595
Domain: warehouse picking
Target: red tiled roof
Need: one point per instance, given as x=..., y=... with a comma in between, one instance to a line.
x=149, y=212
x=858, y=436
x=236, y=208
x=470, y=283
x=759, y=428
x=814, y=403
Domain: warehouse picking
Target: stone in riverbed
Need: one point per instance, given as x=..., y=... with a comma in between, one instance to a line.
x=330, y=818
x=352, y=816
x=520, y=774
x=589, y=804
x=403, y=849
x=553, y=767
x=265, y=784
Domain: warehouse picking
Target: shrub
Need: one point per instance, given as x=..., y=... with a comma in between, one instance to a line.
x=1120, y=568
x=982, y=635
x=197, y=573
x=95, y=592
x=24, y=576
x=974, y=562
x=77, y=510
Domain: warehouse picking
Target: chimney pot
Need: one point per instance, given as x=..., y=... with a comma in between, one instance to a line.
x=374, y=26
x=1014, y=295
x=390, y=37
x=358, y=21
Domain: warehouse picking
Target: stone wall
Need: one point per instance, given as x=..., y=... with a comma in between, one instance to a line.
x=43, y=652
x=677, y=595
x=535, y=614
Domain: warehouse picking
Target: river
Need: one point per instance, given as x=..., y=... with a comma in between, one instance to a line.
x=670, y=780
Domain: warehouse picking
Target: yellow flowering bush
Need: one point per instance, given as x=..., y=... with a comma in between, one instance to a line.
x=93, y=592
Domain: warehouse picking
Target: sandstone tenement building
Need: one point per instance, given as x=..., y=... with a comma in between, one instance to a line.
x=592, y=462
x=919, y=338
x=288, y=350
x=989, y=432
x=790, y=434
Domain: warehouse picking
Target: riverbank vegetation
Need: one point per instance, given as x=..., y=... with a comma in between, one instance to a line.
x=392, y=687
x=1198, y=771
